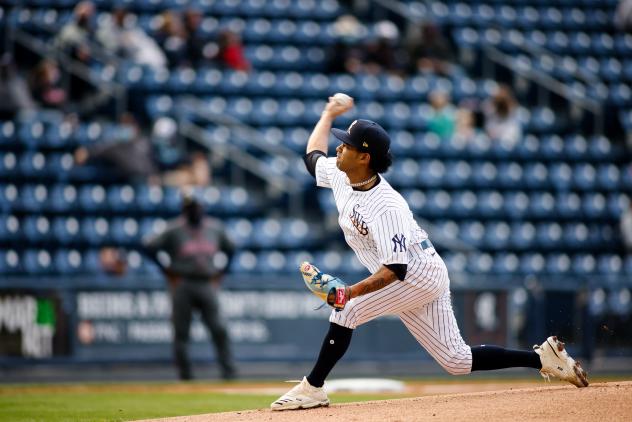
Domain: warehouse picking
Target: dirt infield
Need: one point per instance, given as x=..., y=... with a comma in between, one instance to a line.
x=602, y=401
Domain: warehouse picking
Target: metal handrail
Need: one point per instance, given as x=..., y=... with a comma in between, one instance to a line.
x=238, y=156
x=534, y=75
x=247, y=133
x=543, y=79
x=113, y=89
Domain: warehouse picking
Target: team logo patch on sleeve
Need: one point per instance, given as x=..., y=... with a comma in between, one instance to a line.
x=399, y=241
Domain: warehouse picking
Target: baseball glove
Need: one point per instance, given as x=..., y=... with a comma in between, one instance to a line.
x=328, y=288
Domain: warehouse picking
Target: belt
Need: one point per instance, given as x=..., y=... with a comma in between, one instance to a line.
x=426, y=244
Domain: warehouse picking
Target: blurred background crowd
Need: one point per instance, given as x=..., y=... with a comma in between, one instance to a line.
x=510, y=125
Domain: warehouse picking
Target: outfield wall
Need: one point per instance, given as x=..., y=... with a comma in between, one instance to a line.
x=128, y=321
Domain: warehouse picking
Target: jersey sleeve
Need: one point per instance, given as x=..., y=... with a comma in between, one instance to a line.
x=325, y=169
x=392, y=236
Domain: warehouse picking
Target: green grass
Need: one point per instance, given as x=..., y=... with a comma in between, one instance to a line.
x=124, y=406
x=130, y=401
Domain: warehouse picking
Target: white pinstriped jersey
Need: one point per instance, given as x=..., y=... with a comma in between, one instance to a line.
x=377, y=224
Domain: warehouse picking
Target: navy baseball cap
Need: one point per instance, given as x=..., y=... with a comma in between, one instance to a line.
x=366, y=136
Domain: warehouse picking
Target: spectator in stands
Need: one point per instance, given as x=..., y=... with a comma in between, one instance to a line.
x=501, y=116
x=160, y=158
x=199, y=50
x=442, y=121
x=346, y=55
x=76, y=37
x=382, y=54
x=133, y=156
x=623, y=16
x=465, y=127
x=77, y=40
x=625, y=226
x=46, y=85
x=430, y=52
x=199, y=252
x=231, y=51
x=128, y=41
x=180, y=165
x=172, y=38
x=14, y=90
x=113, y=261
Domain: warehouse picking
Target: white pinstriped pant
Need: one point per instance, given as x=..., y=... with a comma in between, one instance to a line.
x=422, y=302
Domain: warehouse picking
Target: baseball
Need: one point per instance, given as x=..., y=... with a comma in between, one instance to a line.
x=343, y=99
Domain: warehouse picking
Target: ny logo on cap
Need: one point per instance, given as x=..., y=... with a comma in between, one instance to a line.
x=350, y=126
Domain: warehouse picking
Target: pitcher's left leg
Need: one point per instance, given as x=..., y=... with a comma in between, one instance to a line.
x=435, y=328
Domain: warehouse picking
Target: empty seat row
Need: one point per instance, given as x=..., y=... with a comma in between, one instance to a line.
x=510, y=264
x=509, y=175
x=125, y=231
x=294, y=112
x=39, y=262
x=304, y=84
x=94, y=199
x=72, y=261
x=503, y=236
x=39, y=134
x=507, y=205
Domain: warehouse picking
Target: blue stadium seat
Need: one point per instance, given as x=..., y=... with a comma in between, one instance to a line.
x=458, y=174
x=558, y=263
x=506, y=263
x=464, y=203
x=522, y=235
x=38, y=262
x=484, y=174
x=541, y=204
x=583, y=264
x=296, y=233
x=33, y=198
x=510, y=175
x=548, y=235
x=10, y=262
x=608, y=177
x=8, y=197
x=406, y=173
x=416, y=200
x=92, y=198
x=532, y=263
x=490, y=203
x=244, y=262
x=616, y=204
x=437, y=203
x=68, y=261
x=240, y=231
x=516, y=204
x=472, y=232
x=270, y=262
x=125, y=231
x=8, y=165
x=96, y=231
x=594, y=205
x=431, y=173
x=266, y=232
x=497, y=235
x=10, y=230
x=561, y=176
x=121, y=198
x=479, y=263
x=37, y=230
x=7, y=134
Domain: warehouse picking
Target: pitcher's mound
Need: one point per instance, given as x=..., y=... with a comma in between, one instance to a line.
x=599, y=402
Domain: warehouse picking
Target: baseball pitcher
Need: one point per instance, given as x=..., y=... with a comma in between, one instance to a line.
x=408, y=277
